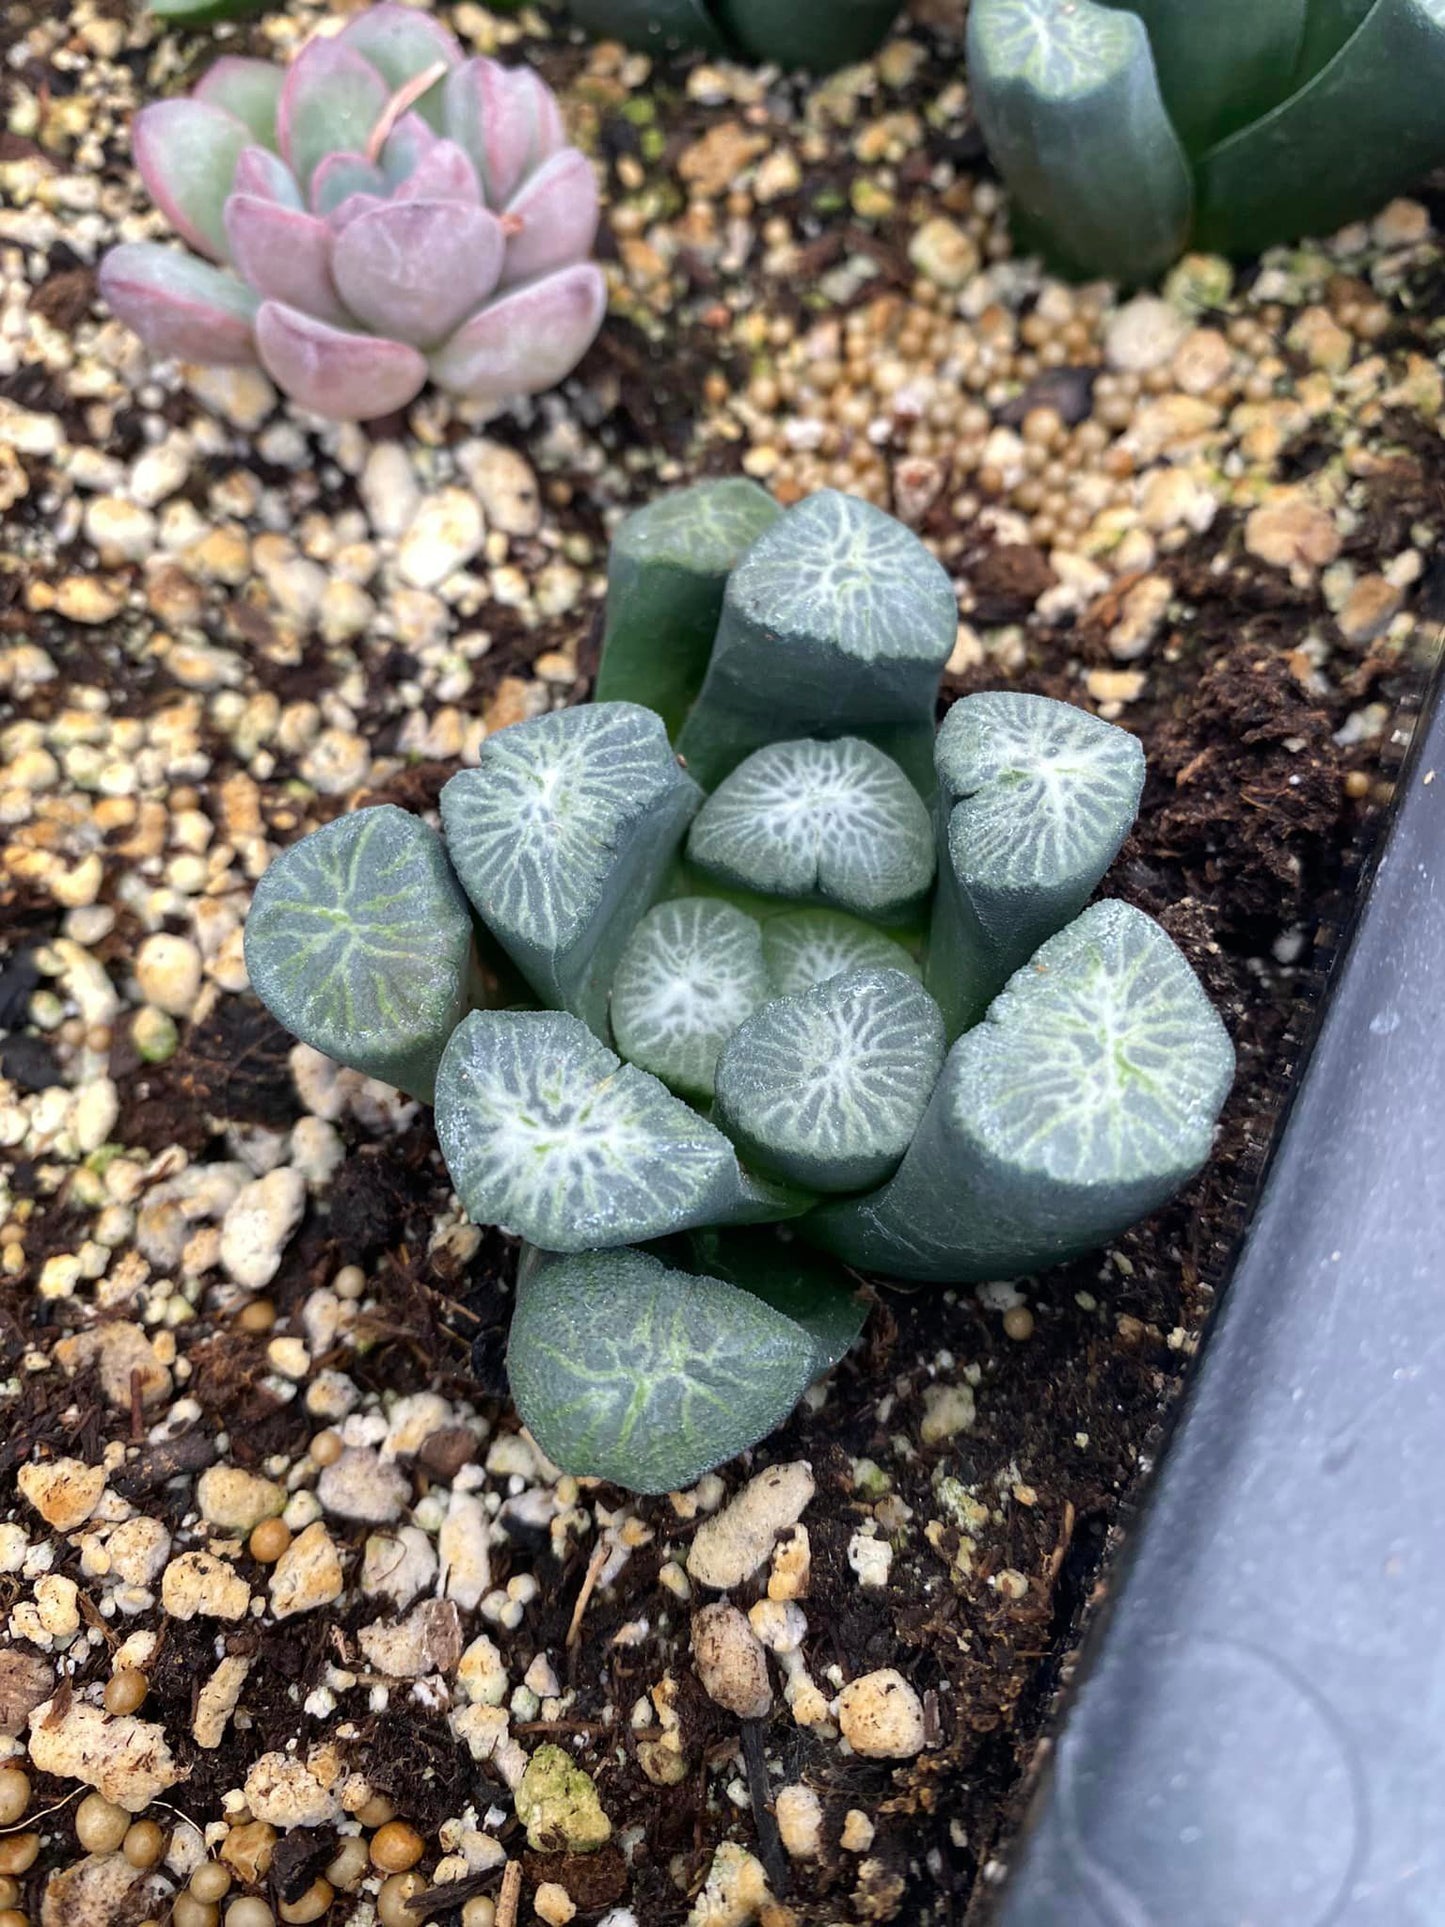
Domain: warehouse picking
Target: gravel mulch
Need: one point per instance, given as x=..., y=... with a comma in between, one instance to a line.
x=297, y=1623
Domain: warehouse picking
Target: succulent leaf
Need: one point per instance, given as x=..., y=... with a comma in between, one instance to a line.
x=837, y=621
x=414, y=270
x=548, y=1133
x=331, y=98
x=333, y=372
x=248, y=89
x=527, y=339
x=772, y=1263
x=626, y=1370
x=360, y=941
x=442, y=173
x=818, y=37
x=187, y=151
x=507, y=121
x=1328, y=25
x=1292, y=172
x=1084, y=1100
x=402, y=43
x=181, y=306
x=825, y=1090
x=1222, y=66
x=1070, y=107
x=266, y=176
x=561, y=836
x=284, y=254
x=1035, y=798
x=807, y=947
x=557, y=208
x=652, y=25
x=340, y=177
x=838, y=821
x=666, y=573
x=692, y=970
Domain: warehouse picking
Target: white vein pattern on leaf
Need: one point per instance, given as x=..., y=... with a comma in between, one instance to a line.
x=1059, y=47
x=838, y=818
x=692, y=971
x=631, y=1348
x=351, y=935
x=1109, y=1063
x=844, y=1070
x=536, y=828
x=1045, y=792
x=807, y=947
x=554, y=1137
x=703, y=531
x=839, y=570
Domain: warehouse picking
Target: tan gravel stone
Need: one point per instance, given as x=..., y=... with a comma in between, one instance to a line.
x=1292, y=533
x=126, y=1759
x=728, y=1549
x=505, y=486
x=731, y=1663
x=881, y=1717
x=308, y=1574
x=943, y=253
x=63, y=1491
x=428, y=1640
x=444, y=535
x=198, y=1585
x=218, y=1699
x=99, y=1890
x=237, y=1500
x=736, y=1891
x=1369, y=609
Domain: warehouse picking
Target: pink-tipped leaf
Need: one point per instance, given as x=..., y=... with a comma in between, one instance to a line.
x=284, y=254
x=341, y=175
x=249, y=89
x=266, y=175
x=444, y=173
x=187, y=151
x=348, y=377
x=179, y=305
x=401, y=43
x=332, y=98
x=407, y=145
x=416, y=269
x=507, y=120
x=526, y=340
x=558, y=210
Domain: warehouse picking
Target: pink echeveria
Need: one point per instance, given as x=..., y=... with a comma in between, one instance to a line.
x=382, y=212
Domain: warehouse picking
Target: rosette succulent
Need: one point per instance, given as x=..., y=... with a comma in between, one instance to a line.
x=819, y=991
x=381, y=212
x=1128, y=130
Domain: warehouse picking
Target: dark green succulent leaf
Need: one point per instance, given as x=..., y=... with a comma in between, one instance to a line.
x=825, y=1090
x=203, y=13
x=836, y=821
x=562, y=836
x=692, y=971
x=807, y=947
x=549, y=1134
x=1035, y=798
x=1367, y=126
x=666, y=573
x=1222, y=65
x=771, y=1263
x=628, y=1371
x=360, y=942
x=837, y=622
x=1087, y=1097
x=1328, y=25
x=1070, y=108
x=652, y=25
x=821, y=35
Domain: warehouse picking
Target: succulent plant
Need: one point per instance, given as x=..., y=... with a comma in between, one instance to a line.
x=819, y=34
x=799, y=1002
x=1130, y=129
x=381, y=212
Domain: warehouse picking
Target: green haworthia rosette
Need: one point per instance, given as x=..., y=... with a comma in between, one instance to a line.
x=1035, y=798
x=1086, y=1098
x=836, y=622
x=838, y=821
x=626, y=1370
x=549, y=1134
x=1066, y=94
x=773, y=1264
x=807, y=947
x=1365, y=126
x=825, y=1090
x=359, y=941
x=692, y=971
x=561, y=836
x=666, y=572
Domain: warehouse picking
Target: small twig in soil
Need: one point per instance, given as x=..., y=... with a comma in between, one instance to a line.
x=137, y=1408
x=601, y=1552
x=510, y=1898
x=770, y=1845
x=1066, y=1533
x=592, y=1728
